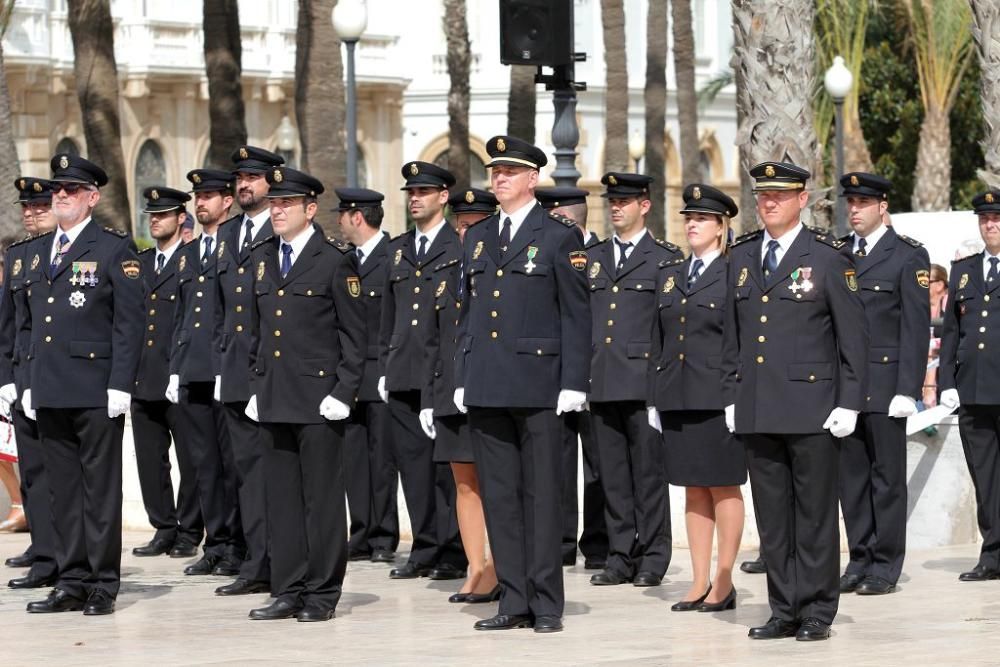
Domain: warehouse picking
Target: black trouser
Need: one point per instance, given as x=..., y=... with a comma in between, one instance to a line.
x=82, y=449
x=247, y=445
x=637, y=505
x=873, y=495
x=153, y=424
x=35, y=495
x=414, y=454
x=371, y=479
x=794, y=482
x=306, y=513
x=979, y=428
x=519, y=461
x=594, y=536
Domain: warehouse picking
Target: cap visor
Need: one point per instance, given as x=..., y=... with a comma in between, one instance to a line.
x=513, y=162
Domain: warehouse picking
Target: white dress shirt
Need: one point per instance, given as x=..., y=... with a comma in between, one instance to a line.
x=71, y=234
x=516, y=218
x=871, y=240
x=298, y=243
x=628, y=251
x=368, y=247
x=784, y=242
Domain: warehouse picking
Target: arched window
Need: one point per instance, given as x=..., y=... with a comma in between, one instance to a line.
x=705, y=165
x=150, y=170
x=478, y=176
x=67, y=146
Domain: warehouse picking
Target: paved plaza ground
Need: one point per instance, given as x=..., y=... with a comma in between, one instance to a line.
x=166, y=618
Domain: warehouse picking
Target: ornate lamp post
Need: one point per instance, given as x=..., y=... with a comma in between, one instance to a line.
x=350, y=18
x=838, y=81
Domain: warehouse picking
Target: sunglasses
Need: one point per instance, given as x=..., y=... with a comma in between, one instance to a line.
x=69, y=188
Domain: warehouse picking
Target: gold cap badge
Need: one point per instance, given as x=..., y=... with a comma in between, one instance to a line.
x=63, y=162
x=769, y=171
x=196, y=179
x=696, y=193
x=989, y=197
x=469, y=197
x=854, y=180
x=612, y=180
x=501, y=145
x=21, y=184
x=154, y=195
x=413, y=170
x=37, y=187
x=243, y=153
x=277, y=176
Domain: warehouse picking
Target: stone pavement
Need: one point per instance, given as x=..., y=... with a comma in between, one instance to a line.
x=165, y=617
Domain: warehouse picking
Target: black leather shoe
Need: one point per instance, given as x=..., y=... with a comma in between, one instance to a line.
x=644, y=579
x=608, y=578
x=383, y=556
x=243, y=587
x=445, y=571
x=756, y=566
x=314, y=614
x=458, y=598
x=359, y=555
x=100, y=603
x=504, y=622
x=24, y=560
x=873, y=585
x=569, y=560
x=155, y=547
x=979, y=573
x=31, y=581
x=812, y=630
x=725, y=604
x=57, y=601
x=481, y=598
x=775, y=628
x=410, y=571
x=850, y=582
x=226, y=568
x=548, y=624
x=691, y=605
x=595, y=564
x=203, y=566
x=184, y=551
x=276, y=611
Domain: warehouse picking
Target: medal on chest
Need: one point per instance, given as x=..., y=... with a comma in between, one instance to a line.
x=801, y=280
x=530, y=265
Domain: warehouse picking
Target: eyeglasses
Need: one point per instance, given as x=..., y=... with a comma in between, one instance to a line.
x=69, y=188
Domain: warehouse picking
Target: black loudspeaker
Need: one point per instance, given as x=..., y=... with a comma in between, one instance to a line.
x=536, y=32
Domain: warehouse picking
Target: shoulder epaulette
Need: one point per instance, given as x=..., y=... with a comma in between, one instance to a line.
x=825, y=239
x=342, y=246
x=229, y=220
x=668, y=245
x=444, y=264
x=27, y=238
x=144, y=250
x=967, y=257
x=598, y=242
x=117, y=232
x=185, y=244
x=671, y=262
x=845, y=238
x=400, y=237
x=562, y=218
x=749, y=236
x=913, y=242
x=261, y=242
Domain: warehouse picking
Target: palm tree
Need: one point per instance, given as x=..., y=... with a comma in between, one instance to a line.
x=942, y=48
x=96, y=76
x=616, y=87
x=655, y=97
x=456, y=31
x=687, y=98
x=10, y=167
x=223, y=67
x=986, y=31
x=522, y=102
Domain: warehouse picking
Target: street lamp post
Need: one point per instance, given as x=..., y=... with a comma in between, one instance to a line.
x=350, y=18
x=838, y=81
x=636, y=148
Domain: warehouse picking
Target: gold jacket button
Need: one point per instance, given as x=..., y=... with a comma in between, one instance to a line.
x=277, y=353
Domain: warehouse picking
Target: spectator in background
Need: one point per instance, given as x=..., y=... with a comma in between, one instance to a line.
x=939, y=297
x=16, y=521
x=187, y=228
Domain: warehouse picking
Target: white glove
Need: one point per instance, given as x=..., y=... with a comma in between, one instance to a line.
x=427, y=422
x=570, y=401
x=8, y=396
x=382, y=393
x=653, y=417
x=29, y=411
x=251, y=409
x=902, y=406
x=332, y=409
x=731, y=418
x=217, y=392
x=459, y=399
x=841, y=422
x=949, y=398
x=118, y=403
x=173, y=392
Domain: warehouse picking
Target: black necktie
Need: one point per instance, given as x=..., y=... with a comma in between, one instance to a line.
x=505, y=236
x=286, y=259
x=771, y=259
x=622, y=256
x=160, y=260
x=422, y=250
x=861, y=252
x=992, y=276
x=361, y=255
x=696, y=267
x=61, y=249
x=208, y=250
x=248, y=237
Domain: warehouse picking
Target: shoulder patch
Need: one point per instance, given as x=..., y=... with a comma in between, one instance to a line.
x=261, y=242
x=145, y=250
x=749, y=236
x=562, y=218
x=117, y=232
x=668, y=245
x=342, y=246
x=913, y=242
x=671, y=262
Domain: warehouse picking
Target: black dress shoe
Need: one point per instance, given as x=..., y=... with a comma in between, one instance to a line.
x=644, y=579
x=569, y=560
x=608, y=578
x=725, y=604
x=873, y=585
x=979, y=573
x=275, y=611
x=243, y=587
x=756, y=566
x=155, y=547
x=24, y=560
x=184, y=551
x=446, y=571
x=226, y=568
x=481, y=598
x=410, y=571
x=31, y=581
x=203, y=566
x=458, y=598
x=548, y=624
x=691, y=605
x=850, y=582
x=812, y=630
x=100, y=603
x=314, y=614
x=359, y=555
x=383, y=556
x=57, y=601
x=775, y=628
x=504, y=622
x=595, y=564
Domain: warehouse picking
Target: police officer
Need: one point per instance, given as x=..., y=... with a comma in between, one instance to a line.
x=893, y=276
x=522, y=361
x=968, y=375
x=155, y=420
x=307, y=355
x=407, y=309
x=794, y=374
x=372, y=479
x=35, y=199
x=84, y=297
x=572, y=203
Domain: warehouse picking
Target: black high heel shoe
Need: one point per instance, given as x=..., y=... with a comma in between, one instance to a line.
x=691, y=605
x=459, y=597
x=729, y=602
x=476, y=598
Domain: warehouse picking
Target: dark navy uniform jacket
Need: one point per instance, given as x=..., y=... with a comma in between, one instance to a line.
x=797, y=347
x=373, y=280
x=160, y=302
x=15, y=329
x=439, y=391
x=524, y=331
x=194, y=319
x=970, y=343
x=623, y=306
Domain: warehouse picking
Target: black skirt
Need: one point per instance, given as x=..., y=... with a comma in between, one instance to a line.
x=453, y=443
x=700, y=450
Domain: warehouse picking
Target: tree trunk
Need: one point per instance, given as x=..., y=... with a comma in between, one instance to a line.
x=932, y=185
x=223, y=57
x=856, y=154
x=616, y=87
x=521, y=103
x=655, y=97
x=456, y=32
x=96, y=76
x=687, y=98
x=320, y=105
x=10, y=168
x=986, y=32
